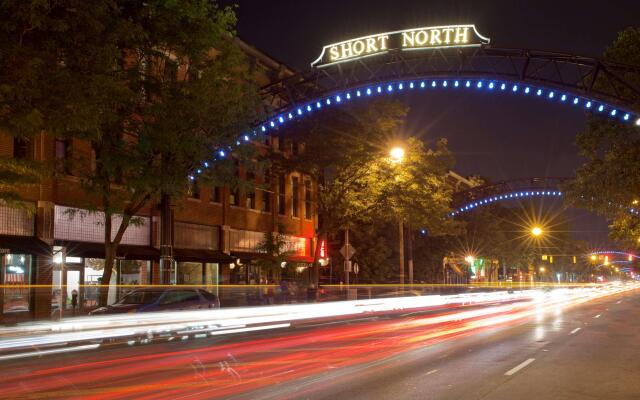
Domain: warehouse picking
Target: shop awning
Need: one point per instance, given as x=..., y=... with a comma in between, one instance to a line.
x=202, y=255
x=24, y=245
x=96, y=250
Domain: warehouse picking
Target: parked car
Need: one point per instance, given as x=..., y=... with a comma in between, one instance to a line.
x=151, y=299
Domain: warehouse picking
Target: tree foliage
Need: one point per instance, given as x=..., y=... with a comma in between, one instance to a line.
x=153, y=86
x=360, y=188
x=608, y=182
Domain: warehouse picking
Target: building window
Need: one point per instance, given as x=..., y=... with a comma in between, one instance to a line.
x=21, y=148
x=170, y=71
x=234, y=198
x=63, y=150
x=295, y=200
x=281, y=196
x=266, y=201
x=216, y=194
x=189, y=273
x=294, y=148
x=194, y=190
x=16, y=276
x=251, y=200
x=308, y=211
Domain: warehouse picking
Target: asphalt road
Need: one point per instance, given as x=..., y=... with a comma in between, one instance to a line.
x=517, y=351
x=591, y=351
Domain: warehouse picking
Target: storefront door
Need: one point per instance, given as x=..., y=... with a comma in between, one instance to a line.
x=73, y=277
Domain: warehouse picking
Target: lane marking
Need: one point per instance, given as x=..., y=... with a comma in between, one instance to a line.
x=597, y=316
x=619, y=301
x=574, y=331
x=519, y=366
x=433, y=371
x=52, y=351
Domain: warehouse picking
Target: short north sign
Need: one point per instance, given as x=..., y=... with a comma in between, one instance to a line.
x=434, y=37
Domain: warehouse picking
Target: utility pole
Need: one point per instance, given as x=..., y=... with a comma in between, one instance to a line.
x=410, y=254
x=401, y=233
x=347, y=262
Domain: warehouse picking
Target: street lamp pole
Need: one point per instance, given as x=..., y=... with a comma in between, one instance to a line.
x=347, y=266
x=410, y=254
x=397, y=155
x=401, y=233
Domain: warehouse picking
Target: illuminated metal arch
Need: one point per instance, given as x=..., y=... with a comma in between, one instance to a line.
x=607, y=252
x=614, y=263
x=600, y=85
x=517, y=195
x=589, y=83
x=515, y=189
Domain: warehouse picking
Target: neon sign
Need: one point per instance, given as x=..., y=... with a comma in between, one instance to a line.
x=433, y=37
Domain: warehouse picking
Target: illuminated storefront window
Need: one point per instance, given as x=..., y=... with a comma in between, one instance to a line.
x=16, y=277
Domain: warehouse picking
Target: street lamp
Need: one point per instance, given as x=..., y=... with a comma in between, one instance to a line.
x=469, y=259
x=542, y=269
x=536, y=231
x=396, y=154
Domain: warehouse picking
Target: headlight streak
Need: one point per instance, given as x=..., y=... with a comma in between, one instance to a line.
x=145, y=327
x=254, y=363
x=156, y=324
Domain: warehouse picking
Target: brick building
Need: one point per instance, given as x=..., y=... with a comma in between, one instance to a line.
x=216, y=231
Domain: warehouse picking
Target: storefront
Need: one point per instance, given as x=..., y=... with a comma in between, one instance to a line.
x=83, y=268
x=20, y=257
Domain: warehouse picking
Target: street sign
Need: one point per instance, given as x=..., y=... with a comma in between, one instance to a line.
x=347, y=252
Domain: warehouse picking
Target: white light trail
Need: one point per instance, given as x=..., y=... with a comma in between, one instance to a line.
x=145, y=327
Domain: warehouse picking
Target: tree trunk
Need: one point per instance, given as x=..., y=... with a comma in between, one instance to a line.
x=166, y=238
x=109, y=257
x=110, y=252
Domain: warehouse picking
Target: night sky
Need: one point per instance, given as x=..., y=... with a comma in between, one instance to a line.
x=498, y=137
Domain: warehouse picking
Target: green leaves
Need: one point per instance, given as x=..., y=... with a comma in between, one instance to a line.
x=608, y=182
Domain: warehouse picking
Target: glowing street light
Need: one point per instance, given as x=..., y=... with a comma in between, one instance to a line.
x=593, y=257
x=396, y=154
x=536, y=231
x=469, y=259
x=542, y=269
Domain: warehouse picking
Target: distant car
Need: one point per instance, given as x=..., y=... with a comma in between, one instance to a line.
x=150, y=299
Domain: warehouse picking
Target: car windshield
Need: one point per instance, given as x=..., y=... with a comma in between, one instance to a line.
x=141, y=297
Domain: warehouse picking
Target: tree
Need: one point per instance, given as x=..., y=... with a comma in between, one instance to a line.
x=154, y=86
x=274, y=246
x=339, y=150
x=361, y=190
x=413, y=190
x=608, y=182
